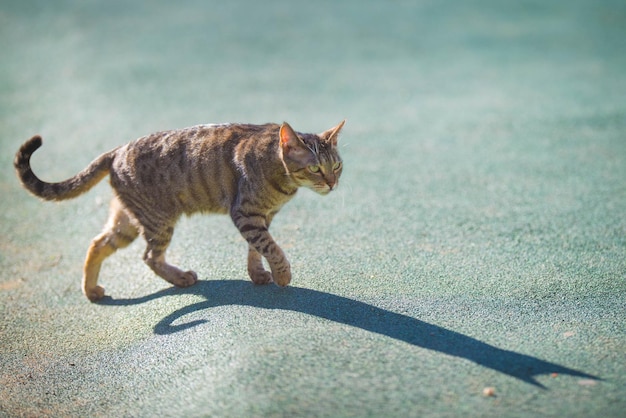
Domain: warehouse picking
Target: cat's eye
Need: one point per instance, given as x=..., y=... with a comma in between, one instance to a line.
x=314, y=168
x=337, y=166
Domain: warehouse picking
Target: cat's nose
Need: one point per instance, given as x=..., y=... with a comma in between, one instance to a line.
x=332, y=181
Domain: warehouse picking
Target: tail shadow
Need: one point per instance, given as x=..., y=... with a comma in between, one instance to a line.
x=357, y=314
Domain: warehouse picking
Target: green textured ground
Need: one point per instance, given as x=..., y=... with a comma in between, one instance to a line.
x=478, y=238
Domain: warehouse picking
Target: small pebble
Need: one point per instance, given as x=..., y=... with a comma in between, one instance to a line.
x=489, y=391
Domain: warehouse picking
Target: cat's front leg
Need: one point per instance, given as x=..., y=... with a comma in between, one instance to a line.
x=254, y=229
x=256, y=271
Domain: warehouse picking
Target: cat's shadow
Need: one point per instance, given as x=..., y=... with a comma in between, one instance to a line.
x=353, y=313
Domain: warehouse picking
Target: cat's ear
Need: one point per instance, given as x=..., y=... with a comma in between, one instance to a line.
x=332, y=134
x=291, y=144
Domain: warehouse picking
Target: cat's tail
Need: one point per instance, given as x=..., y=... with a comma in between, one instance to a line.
x=79, y=184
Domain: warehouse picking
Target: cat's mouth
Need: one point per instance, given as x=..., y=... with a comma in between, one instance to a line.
x=323, y=190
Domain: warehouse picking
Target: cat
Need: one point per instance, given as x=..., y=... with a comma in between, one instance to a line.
x=246, y=171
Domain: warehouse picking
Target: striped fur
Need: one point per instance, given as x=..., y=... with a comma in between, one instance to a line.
x=246, y=171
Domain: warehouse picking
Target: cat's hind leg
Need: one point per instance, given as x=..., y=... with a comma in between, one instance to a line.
x=158, y=241
x=119, y=232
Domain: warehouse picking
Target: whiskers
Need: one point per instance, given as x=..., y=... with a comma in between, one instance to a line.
x=345, y=190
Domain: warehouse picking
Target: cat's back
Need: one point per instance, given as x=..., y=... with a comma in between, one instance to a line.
x=188, y=148
x=191, y=169
x=199, y=141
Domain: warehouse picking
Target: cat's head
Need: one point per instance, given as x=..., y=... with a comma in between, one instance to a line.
x=312, y=160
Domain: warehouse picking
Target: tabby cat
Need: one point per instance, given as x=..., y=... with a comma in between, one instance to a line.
x=246, y=171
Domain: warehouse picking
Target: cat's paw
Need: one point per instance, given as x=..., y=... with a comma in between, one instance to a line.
x=261, y=277
x=94, y=294
x=188, y=278
x=282, y=277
